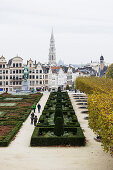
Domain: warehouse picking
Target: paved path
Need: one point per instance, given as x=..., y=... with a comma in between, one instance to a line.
x=20, y=156
x=23, y=137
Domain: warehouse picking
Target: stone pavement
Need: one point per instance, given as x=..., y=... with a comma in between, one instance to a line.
x=20, y=156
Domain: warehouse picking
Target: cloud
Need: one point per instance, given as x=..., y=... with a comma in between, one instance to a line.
x=25, y=27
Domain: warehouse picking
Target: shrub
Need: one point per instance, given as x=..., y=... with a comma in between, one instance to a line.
x=41, y=119
x=59, y=126
x=58, y=113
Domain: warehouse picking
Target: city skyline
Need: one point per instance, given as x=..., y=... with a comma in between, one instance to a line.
x=83, y=30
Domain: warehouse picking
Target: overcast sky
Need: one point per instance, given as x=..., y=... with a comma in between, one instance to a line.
x=83, y=29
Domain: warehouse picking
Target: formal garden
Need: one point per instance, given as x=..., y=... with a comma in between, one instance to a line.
x=58, y=124
x=100, y=107
x=14, y=110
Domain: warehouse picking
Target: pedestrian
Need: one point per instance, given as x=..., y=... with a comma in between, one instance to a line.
x=35, y=120
x=34, y=107
x=39, y=107
x=32, y=117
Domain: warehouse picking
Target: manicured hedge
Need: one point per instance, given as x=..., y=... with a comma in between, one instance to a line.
x=100, y=107
x=5, y=140
x=38, y=140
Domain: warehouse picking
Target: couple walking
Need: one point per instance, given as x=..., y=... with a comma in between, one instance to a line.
x=38, y=106
x=34, y=118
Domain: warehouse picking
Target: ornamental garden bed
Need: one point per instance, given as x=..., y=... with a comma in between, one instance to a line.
x=58, y=124
x=8, y=131
x=44, y=136
x=12, y=116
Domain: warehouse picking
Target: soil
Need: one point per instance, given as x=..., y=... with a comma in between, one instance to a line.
x=4, y=130
x=24, y=104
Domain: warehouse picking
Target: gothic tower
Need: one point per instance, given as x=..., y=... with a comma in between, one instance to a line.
x=52, y=51
x=101, y=62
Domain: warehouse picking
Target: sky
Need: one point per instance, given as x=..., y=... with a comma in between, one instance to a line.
x=83, y=29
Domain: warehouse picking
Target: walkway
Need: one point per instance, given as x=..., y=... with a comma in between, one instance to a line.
x=20, y=156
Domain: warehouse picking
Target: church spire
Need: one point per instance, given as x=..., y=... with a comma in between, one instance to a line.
x=52, y=50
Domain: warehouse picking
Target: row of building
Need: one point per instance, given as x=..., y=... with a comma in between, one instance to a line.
x=44, y=76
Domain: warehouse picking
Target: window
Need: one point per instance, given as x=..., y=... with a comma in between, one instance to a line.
x=6, y=77
x=36, y=71
x=0, y=65
x=36, y=77
x=46, y=76
x=0, y=77
x=16, y=71
x=3, y=77
x=13, y=71
x=40, y=76
x=40, y=82
x=19, y=71
x=0, y=82
x=6, y=71
x=20, y=65
x=33, y=71
x=0, y=71
x=17, y=83
x=10, y=71
x=46, y=82
x=13, y=64
x=3, y=71
x=6, y=82
x=30, y=71
x=40, y=71
x=33, y=77
x=36, y=82
x=13, y=83
x=10, y=77
x=3, y=65
x=16, y=64
x=30, y=76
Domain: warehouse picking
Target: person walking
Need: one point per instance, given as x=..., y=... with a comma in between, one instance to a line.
x=32, y=117
x=34, y=107
x=39, y=107
x=35, y=120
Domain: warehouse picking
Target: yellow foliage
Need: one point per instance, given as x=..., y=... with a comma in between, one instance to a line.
x=100, y=107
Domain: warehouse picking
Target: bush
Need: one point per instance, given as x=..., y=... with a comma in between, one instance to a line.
x=41, y=119
x=59, y=126
x=38, y=139
x=58, y=113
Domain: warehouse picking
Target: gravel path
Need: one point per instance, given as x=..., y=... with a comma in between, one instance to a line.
x=20, y=156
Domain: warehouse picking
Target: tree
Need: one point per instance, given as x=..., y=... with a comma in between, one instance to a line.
x=67, y=87
x=109, y=72
x=59, y=126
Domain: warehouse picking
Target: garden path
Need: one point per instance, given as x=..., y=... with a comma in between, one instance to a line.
x=20, y=156
x=23, y=137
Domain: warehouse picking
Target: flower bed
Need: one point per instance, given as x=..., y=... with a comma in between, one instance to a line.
x=8, y=131
x=12, y=117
